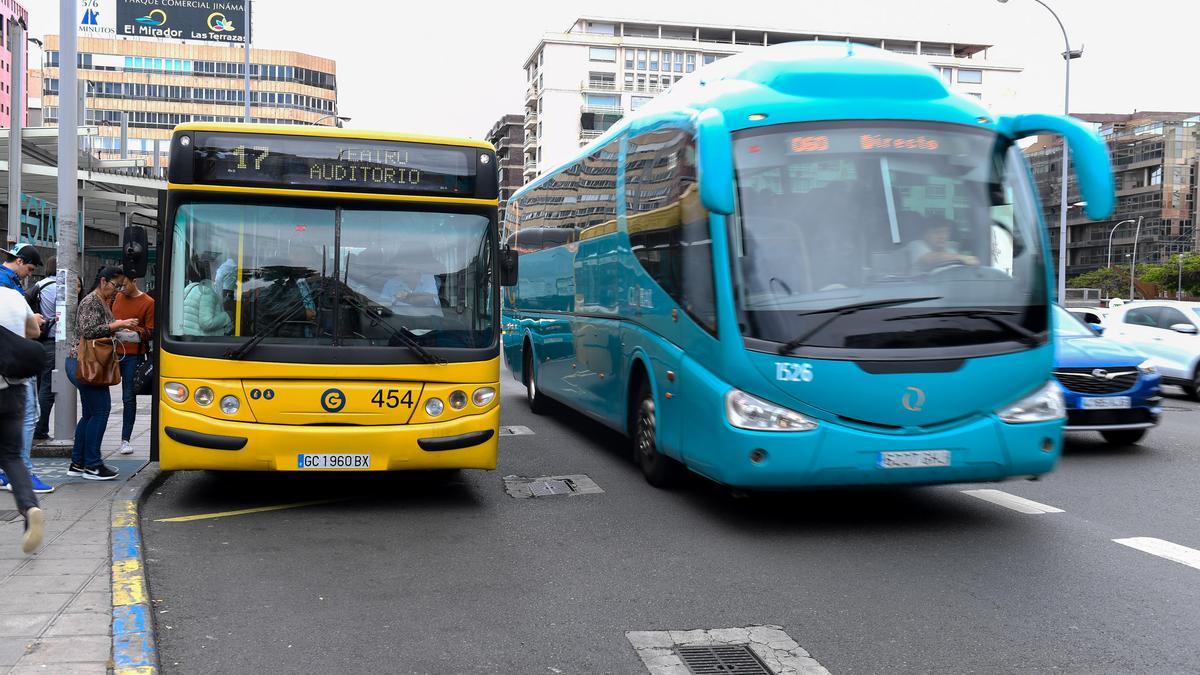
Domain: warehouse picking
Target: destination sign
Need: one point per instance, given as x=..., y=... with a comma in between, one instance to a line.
x=848, y=140
x=344, y=164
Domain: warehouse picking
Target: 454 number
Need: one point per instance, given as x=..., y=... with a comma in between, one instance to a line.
x=391, y=398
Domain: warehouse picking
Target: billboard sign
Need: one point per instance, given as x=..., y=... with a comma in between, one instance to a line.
x=190, y=20
x=97, y=18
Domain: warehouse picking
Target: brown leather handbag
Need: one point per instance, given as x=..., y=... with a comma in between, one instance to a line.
x=97, y=364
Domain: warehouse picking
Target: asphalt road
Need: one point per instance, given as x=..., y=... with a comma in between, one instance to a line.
x=449, y=574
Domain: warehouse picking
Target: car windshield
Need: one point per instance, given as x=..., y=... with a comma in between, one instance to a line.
x=1067, y=325
x=838, y=214
x=345, y=276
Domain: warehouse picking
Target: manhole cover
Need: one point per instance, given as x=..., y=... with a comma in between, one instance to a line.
x=522, y=487
x=721, y=660
x=516, y=431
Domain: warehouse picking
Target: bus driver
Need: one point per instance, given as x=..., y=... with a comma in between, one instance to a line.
x=934, y=249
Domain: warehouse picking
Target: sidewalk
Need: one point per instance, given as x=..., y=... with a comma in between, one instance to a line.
x=56, y=608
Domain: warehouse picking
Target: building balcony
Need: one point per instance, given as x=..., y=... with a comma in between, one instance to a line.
x=531, y=119
x=589, y=135
x=602, y=109
x=598, y=85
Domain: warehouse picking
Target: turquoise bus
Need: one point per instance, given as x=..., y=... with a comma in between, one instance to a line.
x=812, y=265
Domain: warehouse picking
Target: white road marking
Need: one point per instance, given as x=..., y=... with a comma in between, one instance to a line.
x=774, y=647
x=1164, y=549
x=1019, y=504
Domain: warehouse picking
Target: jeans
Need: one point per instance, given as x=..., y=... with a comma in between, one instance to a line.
x=93, y=421
x=29, y=421
x=45, y=392
x=128, y=396
x=12, y=414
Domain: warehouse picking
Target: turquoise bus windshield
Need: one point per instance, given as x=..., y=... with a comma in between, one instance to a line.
x=885, y=235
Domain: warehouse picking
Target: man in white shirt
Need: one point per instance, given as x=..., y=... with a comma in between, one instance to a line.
x=17, y=317
x=934, y=249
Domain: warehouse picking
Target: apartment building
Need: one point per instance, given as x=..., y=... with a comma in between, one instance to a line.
x=507, y=135
x=157, y=84
x=1156, y=161
x=581, y=81
x=10, y=10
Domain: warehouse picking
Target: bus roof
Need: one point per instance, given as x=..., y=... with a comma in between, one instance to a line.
x=330, y=132
x=802, y=82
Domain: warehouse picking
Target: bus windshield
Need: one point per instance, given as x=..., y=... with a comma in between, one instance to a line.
x=885, y=235
x=348, y=275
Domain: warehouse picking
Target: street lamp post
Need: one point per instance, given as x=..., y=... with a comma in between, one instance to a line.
x=1068, y=54
x=1133, y=260
x=1110, y=235
x=1179, y=284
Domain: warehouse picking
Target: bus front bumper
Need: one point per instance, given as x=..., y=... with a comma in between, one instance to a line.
x=191, y=441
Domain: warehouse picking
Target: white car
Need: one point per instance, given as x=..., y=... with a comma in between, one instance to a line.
x=1089, y=315
x=1166, y=331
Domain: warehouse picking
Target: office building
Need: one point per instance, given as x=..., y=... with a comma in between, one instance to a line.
x=10, y=10
x=580, y=82
x=507, y=135
x=1156, y=160
x=157, y=84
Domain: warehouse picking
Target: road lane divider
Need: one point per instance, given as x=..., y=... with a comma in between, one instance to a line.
x=1009, y=501
x=243, y=512
x=1164, y=549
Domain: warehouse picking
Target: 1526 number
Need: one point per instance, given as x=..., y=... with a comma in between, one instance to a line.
x=391, y=398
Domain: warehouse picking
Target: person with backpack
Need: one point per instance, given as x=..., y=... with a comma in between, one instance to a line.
x=43, y=299
x=20, y=262
x=17, y=362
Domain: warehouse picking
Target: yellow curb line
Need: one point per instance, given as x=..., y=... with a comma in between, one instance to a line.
x=242, y=512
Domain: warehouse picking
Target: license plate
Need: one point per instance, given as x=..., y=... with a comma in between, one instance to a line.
x=1105, y=402
x=915, y=459
x=333, y=461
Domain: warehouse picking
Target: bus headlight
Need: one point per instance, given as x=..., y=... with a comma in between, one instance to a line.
x=176, y=391
x=230, y=404
x=203, y=396
x=483, y=396
x=434, y=407
x=458, y=400
x=750, y=412
x=1147, y=367
x=1043, y=405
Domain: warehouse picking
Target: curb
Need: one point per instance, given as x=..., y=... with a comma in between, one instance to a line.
x=133, y=638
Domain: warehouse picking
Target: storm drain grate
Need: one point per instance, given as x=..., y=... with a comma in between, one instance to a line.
x=721, y=660
x=515, y=430
x=550, y=486
x=9, y=515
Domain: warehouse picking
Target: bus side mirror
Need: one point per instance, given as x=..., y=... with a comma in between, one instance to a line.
x=1088, y=150
x=135, y=252
x=715, y=157
x=508, y=266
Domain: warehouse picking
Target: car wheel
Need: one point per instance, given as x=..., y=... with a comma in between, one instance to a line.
x=533, y=394
x=1193, y=389
x=660, y=471
x=1123, y=436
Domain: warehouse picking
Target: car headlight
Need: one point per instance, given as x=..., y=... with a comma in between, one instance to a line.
x=176, y=391
x=1043, y=405
x=230, y=405
x=750, y=412
x=1147, y=367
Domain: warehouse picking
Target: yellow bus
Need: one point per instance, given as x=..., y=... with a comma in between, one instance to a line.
x=328, y=299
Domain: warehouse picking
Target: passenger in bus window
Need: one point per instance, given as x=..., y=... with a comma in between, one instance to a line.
x=203, y=313
x=934, y=249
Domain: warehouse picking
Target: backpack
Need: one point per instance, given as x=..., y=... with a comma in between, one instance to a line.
x=34, y=297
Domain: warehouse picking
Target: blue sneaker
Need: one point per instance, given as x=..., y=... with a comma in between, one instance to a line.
x=41, y=487
x=4, y=482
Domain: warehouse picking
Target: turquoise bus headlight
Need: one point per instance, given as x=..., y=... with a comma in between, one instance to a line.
x=1043, y=405
x=750, y=412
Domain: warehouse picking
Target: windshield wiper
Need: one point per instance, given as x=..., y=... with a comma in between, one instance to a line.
x=839, y=312
x=401, y=334
x=270, y=329
x=1025, y=335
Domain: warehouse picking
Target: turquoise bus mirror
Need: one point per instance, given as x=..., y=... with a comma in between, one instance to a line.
x=1089, y=154
x=715, y=148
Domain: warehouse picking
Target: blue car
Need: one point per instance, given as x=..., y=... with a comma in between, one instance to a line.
x=1108, y=387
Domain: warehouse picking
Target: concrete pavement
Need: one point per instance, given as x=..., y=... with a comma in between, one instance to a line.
x=56, y=606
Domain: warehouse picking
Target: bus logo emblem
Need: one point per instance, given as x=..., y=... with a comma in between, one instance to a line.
x=913, y=399
x=333, y=400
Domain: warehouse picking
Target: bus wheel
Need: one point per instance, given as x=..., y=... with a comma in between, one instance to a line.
x=660, y=471
x=537, y=400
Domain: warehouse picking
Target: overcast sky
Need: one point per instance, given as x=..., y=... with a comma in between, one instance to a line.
x=455, y=67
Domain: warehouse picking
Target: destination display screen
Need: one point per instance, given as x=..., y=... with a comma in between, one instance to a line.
x=344, y=164
x=845, y=140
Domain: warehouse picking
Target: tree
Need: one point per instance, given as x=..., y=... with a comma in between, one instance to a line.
x=1166, y=275
x=1113, y=282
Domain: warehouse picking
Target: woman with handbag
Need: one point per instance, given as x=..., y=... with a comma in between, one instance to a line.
x=133, y=343
x=92, y=367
